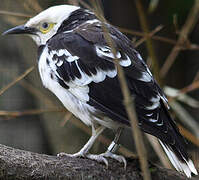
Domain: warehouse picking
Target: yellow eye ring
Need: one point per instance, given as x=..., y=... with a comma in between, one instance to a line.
x=46, y=27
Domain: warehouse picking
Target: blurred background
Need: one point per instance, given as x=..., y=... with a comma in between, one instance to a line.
x=164, y=32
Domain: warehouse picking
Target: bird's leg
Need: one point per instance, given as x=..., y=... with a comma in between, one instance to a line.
x=114, y=146
x=83, y=152
x=110, y=152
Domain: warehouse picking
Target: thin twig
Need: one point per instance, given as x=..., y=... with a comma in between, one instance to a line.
x=186, y=29
x=185, y=98
x=185, y=46
x=16, y=80
x=193, y=86
x=149, y=35
x=155, y=37
x=15, y=14
x=128, y=100
x=185, y=117
x=189, y=135
x=30, y=112
x=149, y=43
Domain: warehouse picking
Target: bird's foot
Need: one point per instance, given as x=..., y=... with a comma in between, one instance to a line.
x=97, y=157
x=102, y=158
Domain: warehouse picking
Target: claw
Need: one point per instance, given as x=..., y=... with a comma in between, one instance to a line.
x=98, y=158
x=119, y=158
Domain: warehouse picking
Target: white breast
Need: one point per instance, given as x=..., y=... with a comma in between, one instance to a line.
x=79, y=108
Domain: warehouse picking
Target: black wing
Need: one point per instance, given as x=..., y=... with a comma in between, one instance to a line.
x=92, y=65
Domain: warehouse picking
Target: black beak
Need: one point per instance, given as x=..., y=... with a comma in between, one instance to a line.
x=21, y=30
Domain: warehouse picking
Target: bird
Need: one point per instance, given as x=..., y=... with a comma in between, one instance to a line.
x=77, y=64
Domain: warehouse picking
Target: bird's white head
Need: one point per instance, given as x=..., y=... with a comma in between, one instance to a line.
x=44, y=25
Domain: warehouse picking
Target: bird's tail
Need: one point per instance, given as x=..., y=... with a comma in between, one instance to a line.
x=175, y=149
x=174, y=145
x=181, y=164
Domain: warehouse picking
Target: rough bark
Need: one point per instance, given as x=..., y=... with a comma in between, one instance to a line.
x=18, y=164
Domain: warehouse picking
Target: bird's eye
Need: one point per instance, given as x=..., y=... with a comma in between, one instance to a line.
x=46, y=27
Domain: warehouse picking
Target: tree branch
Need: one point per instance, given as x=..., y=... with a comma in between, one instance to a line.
x=183, y=37
x=18, y=164
x=149, y=42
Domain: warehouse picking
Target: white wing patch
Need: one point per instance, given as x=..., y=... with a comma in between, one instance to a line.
x=155, y=103
x=155, y=99
x=59, y=63
x=152, y=119
x=63, y=52
x=99, y=77
x=146, y=77
x=105, y=52
x=112, y=73
x=92, y=21
x=149, y=71
x=126, y=62
x=139, y=57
